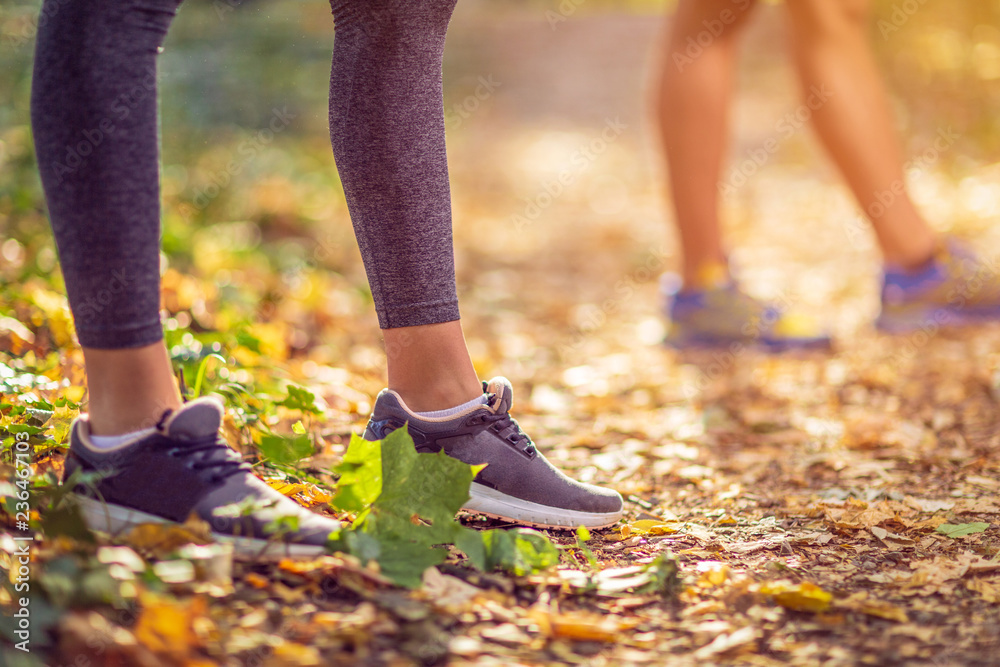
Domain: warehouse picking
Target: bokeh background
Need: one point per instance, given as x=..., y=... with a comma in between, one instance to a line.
x=546, y=282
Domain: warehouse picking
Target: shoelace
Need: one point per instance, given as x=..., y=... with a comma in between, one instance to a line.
x=218, y=457
x=508, y=429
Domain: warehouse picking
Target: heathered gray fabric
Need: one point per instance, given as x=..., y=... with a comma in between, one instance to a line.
x=93, y=114
x=94, y=118
x=387, y=130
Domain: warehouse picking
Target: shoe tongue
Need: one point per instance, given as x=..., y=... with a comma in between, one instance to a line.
x=197, y=419
x=503, y=394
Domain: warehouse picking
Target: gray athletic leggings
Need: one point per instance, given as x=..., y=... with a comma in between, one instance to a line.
x=94, y=117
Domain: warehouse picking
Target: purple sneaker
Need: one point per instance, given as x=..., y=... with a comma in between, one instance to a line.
x=185, y=467
x=722, y=316
x=955, y=288
x=518, y=483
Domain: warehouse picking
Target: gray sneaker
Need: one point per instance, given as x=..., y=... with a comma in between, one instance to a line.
x=185, y=467
x=518, y=483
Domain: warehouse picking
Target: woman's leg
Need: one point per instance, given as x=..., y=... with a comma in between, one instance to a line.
x=387, y=130
x=832, y=52
x=93, y=112
x=94, y=116
x=699, y=66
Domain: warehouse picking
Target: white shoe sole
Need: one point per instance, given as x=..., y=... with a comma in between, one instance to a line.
x=117, y=519
x=493, y=503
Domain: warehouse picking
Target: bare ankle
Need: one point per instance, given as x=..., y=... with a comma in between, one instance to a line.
x=130, y=389
x=913, y=259
x=430, y=367
x=127, y=416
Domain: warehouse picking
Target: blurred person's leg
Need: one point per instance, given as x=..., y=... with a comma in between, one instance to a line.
x=852, y=115
x=388, y=136
x=149, y=459
x=926, y=282
x=699, y=68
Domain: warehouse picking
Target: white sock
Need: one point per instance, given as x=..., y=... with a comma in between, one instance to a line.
x=112, y=441
x=479, y=400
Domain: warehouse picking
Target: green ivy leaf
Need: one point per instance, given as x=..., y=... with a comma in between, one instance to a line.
x=582, y=537
x=521, y=551
x=301, y=399
x=412, y=500
x=65, y=519
x=360, y=475
x=419, y=489
x=248, y=340
x=286, y=450
x=961, y=529
x=404, y=561
x=24, y=428
x=472, y=544
x=408, y=503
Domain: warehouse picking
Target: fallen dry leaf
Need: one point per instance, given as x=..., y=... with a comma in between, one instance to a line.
x=861, y=515
x=448, y=592
x=581, y=626
x=799, y=597
x=649, y=527
x=928, y=505
x=983, y=505
x=863, y=603
x=162, y=539
x=727, y=642
x=291, y=654
x=309, y=495
x=891, y=540
x=165, y=626
x=988, y=590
